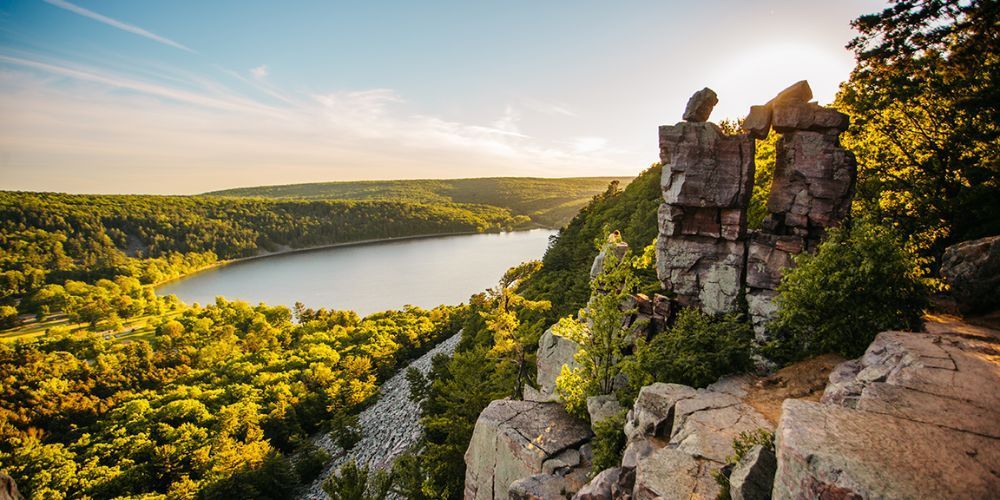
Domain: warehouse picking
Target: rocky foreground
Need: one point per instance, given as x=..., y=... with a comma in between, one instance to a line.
x=915, y=417
x=389, y=427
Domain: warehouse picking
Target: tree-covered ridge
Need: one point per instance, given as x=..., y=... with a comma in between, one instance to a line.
x=564, y=277
x=49, y=238
x=213, y=407
x=548, y=202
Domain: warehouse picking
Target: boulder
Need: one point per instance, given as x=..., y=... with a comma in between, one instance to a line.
x=758, y=121
x=972, y=270
x=602, y=407
x=554, y=351
x=512, y=440
x=652, y=413
x=700, y=105
x=601, y=487
x=671, y=473
x=8, y=489
x=789, y=116
x=941, y=379
x=829, y=451
x=547, y=486
x=752, y=477
x=797, y=92
x=705, y=425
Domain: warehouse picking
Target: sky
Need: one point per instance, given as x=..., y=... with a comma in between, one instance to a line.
x=184, y=97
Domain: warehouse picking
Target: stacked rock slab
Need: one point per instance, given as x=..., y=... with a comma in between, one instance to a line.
x=677, y=438
x=915, y=417
x=706, y=182
x=811, y=191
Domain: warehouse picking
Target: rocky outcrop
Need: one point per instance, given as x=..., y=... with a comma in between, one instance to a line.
x=704, y=254
x=915, y=417
x=972, y=270
x=706, y=182
x=677, y=438
x=554, y=352
x=516, y=441
x=811, y=192
x=752, y=477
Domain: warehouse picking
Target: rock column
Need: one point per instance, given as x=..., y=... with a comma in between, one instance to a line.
x=707, y=181
x=811, y=191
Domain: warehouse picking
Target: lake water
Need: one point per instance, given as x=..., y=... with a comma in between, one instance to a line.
x=371, y=277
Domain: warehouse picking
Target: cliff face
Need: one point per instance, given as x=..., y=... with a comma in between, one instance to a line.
x=704, y=253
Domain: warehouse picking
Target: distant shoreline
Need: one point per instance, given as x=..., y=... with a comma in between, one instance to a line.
x=288, y=251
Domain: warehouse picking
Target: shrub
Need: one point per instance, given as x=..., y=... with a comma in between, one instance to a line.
x=695, y=351
x=861, y=281
x=311, y=461
x=609, y=442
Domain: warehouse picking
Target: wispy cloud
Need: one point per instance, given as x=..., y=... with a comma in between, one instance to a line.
x=206, y=135
x=131, y=28
x=260, y=72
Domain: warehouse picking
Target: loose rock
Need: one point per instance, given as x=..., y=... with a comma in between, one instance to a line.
x=700, y=105
x=753, y=476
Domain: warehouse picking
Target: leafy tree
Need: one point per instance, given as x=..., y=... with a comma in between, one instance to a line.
x=602, y=332
x=924, y=101
x=510, y=337
x=861, y=281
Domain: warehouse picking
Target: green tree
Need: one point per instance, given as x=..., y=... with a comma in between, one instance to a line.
x=924, y=101
x=602, y=332
x=696, y=350
x=510, y=337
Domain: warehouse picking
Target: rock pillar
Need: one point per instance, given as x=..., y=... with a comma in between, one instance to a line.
x=707, y=181
x=811, y=192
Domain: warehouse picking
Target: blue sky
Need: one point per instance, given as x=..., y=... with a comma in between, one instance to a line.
x=185, y=97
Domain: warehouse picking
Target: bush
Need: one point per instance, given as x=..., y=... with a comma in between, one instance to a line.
x=861, y=281
x=609, y=442
x=695, y=351
x=311, y=461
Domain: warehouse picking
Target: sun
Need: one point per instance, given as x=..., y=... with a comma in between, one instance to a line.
x=755, y=74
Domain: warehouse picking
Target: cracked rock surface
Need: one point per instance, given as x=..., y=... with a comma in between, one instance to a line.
x=678, y=436
x=517, y=439
x=918, y=416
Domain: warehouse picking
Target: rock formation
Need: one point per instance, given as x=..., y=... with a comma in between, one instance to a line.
x=915, y=417
x=704, y=254
x=554, y=352
x=678, y=437
x=526, y=449
x=707, y=181
x=972, y=270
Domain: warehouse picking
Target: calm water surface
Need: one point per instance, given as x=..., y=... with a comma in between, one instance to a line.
x=372, y=277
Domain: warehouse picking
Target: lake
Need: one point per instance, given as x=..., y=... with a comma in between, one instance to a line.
x=370, y=277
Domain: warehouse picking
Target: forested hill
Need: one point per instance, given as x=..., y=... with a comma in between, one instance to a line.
x=548, y=202
x=86, y=237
